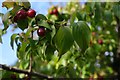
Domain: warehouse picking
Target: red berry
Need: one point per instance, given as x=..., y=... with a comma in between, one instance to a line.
x=41, y=32
x=100, y=41
x=55, y=11
x=51, y=12
x=91, y=78
x=93, y=33
x=31, y=13
x=13, y=76
x=22, y=14
x=100, y=77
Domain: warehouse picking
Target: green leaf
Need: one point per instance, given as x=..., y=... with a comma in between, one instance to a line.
x=5, y=19
x=24, y=64
x=39, y=17
x=72, y=19
x=79, y=15
x=92, y=52
x=15, y=9
x=22, y=48
x=26, y=4
x=32, y=22
x=8, y=4
x=116, y=10
x=108, y=16
x=16, y=40
x=23, y=24
x=1, y=14
x=49, y=52
x=0, y=35
x=0, y=39
x=12, y=40
x=81, y=34
x=44, y=24
x=71, y=70
x=63, y=40
x=98, y=13
x=63, y=16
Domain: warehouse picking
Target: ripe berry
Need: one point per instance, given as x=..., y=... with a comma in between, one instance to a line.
x=13, y=76
x=22, y=14
x=100, y=41
x=51, y=12
x=31, y=13
x=93, y=33
x=54, y=11
x=41, y=32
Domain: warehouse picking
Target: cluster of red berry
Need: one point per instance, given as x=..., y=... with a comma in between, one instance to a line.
x=99, y=41
x=22, y=14
x=54, y=11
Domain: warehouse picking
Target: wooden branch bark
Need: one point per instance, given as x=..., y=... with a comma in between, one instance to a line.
x=40, y=75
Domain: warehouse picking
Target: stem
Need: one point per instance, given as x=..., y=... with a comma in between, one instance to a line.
x=30, y=66
x=40, y=75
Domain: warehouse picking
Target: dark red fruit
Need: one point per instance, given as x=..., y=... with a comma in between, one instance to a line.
x=22, y=14
x=91, y=78
x=100, y=41
x=41, y=32
x=93, y=33
x=51, y=13
x=31, y=13
x=100, y=77
x=13, y=76
x=54, y=11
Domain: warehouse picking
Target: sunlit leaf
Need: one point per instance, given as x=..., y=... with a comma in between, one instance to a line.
x=72, y=19
x=26, y=4
x=5, y=19
x=0, y=35
x=15, y=9
x=22, y=48
x=8, y=4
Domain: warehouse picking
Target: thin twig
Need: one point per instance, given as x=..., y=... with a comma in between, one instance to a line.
x=40, y=75
x=30, y=66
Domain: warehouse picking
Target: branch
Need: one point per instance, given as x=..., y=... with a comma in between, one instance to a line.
x=40, y=75
x=30, y=66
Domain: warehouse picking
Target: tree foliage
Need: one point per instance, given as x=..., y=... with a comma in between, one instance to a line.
x=71, y=46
